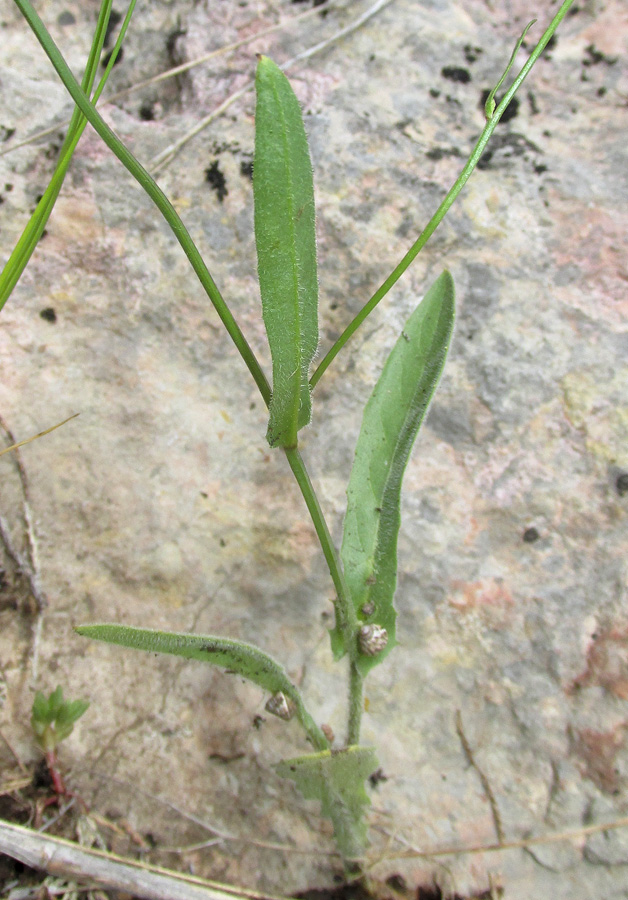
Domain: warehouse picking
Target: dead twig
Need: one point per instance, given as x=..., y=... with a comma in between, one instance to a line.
x=468, y=752
x=522, y=844
x=67, y=860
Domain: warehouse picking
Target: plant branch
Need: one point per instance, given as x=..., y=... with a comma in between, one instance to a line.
x=443, y=209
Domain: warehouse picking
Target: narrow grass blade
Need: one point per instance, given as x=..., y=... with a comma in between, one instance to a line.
x=494, y=115
x=235, y=656
x=26, y=244
x=36, y=436
x=286, y=249
x=337, y=781
x=152, y=189
x=391, y=421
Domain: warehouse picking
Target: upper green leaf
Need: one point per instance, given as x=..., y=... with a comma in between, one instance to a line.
x=286, y=249
x=244, y=659
x=337, y=780
x=391, y=421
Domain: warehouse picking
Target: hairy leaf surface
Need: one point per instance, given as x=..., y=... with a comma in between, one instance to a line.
x=391, y=421
x=244, y=659
x=337, y=780
x=286, y=249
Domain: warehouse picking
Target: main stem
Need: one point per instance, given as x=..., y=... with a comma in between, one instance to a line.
x=345, y=613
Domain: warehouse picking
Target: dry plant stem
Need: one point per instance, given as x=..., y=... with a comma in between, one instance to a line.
x=63, y=858
x=521, y=844
x=443, y=209
x=36, y=436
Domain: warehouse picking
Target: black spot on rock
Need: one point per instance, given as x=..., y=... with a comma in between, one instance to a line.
x=621, y=484
x=147, y=111
x=530, y=535
x=217, y=180
x=437, y=153
x=171, y=45
x=534, y=109
x=49, y=315
x=114, y=20
x=594, y=57
x=66, y=18
x=503, y=148
x=456, y=73
x=107, y=57
x=377, y=778
x=6, y=133
x=246, y=169
x=471, y=54
x=396, y=882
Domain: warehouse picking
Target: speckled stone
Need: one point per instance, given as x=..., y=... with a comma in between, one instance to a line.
x=162, y=505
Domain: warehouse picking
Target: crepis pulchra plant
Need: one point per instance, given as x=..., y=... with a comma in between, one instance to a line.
x=364, y=570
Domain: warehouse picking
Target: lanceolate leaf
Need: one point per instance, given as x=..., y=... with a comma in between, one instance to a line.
x=392, y=418
x=337, y=780
x=286, y=249
x=244, y=659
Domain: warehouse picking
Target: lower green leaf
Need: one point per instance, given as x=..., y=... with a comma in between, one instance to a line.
x=337, y=779
x=235, y=656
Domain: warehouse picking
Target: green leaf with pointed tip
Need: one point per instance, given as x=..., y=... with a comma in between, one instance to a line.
x=283, y=193
x=244, y=659
x=337, y=780
x=391, y=421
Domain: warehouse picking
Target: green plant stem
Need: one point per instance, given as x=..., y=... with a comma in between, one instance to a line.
x=442, y=210
x=356, y=704
x=343, y=606
x=345, y=613
x=152, y=189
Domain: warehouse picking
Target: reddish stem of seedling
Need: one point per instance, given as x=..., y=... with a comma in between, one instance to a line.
x=55, y=774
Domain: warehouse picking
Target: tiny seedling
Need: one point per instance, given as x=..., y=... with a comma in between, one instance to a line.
x=52, y=721
x=364, y=570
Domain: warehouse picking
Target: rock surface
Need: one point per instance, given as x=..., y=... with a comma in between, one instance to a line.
x=503, y=714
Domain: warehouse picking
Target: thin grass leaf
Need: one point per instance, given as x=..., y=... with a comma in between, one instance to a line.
x=27, y=242
x=286, y=249
x=391, y=421
x=36, y=436
x=153, y=190
x=235, y=656
x=337, y=781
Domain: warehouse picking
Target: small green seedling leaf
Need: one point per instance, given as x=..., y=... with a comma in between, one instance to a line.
x=53, y=718
x=337, y=779
x=285, y=236
x=489, y=106
x=390, y=424
x=235, y=656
